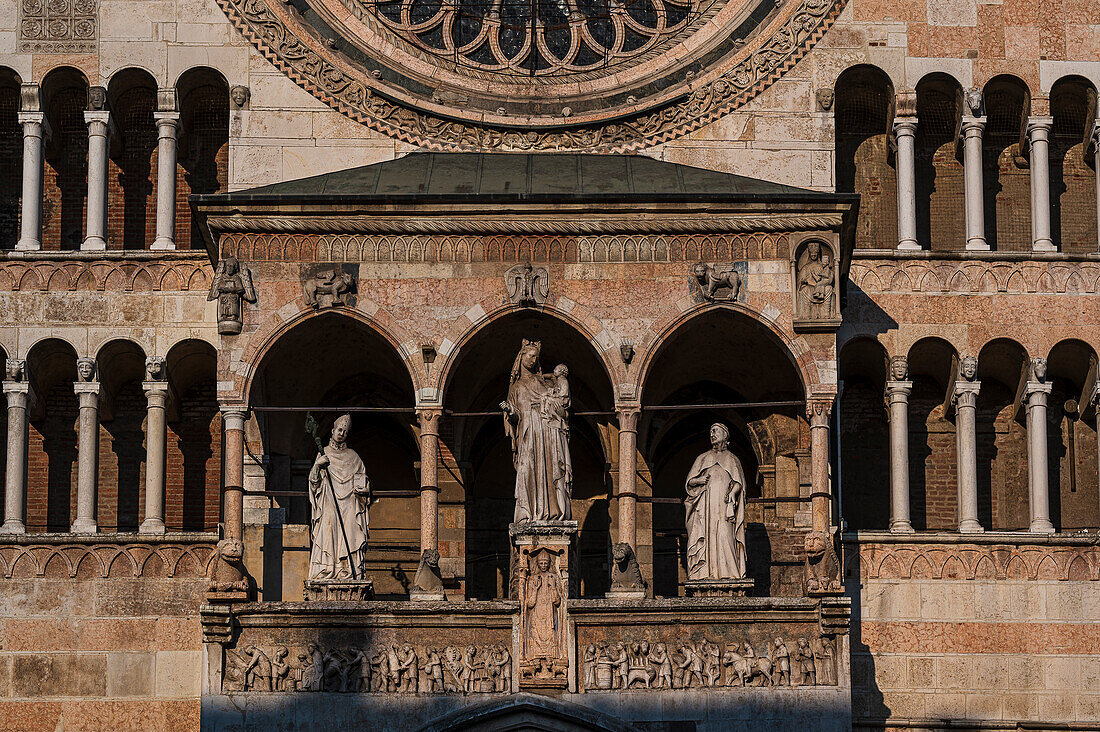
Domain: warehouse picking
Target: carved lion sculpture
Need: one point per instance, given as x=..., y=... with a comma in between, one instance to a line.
x=822, y=565
x=625, y=572
x=711, y=279
x=227, y=572
x=428, y=578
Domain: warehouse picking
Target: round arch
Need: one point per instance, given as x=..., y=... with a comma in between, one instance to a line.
x=1072, y=436
x=863, y=443
x=526, y=712
x=1002, y=438
x=474, y=382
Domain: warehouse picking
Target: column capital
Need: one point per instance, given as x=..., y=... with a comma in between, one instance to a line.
x=86, y=387
x=1039, y=125
x=234, y=415
x=819, y=408
x=1037, y=392
x=899, y=388
x=34, y=124
x=965, y=394
x=429, y=420
x=167, y=121
x=627, y=416
x=98, y=121
x=973, y=125
x=156, y=392
x=905, y=126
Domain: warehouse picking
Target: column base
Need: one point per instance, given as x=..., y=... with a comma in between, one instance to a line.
x=901, y=527
x=24, y=245
x=151, y=526
x=977, y=245
x=84, y=526
x=13, y=526
x=1042, y=526
x=94, y=244
x=909, y=245
x=970, y=526
x=162, y=244
x=1043, y=245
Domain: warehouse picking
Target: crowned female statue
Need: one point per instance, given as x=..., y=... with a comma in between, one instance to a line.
x=536, y=423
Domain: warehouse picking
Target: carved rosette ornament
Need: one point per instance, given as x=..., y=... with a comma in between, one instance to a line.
x=533, y=76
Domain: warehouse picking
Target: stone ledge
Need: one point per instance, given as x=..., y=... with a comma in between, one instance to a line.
x=984, y=538
x=31, y=255
x=926, y=254
x=182, y=537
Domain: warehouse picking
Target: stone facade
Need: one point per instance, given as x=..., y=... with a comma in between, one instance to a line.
x=941, y=155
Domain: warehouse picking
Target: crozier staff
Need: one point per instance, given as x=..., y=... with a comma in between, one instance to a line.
x=339, y=496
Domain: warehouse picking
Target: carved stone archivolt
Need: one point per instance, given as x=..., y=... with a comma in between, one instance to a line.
x=669, y=101
x=973, y=561
x=969, y=276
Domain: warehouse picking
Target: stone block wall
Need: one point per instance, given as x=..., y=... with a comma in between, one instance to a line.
x=98, y=634
x=1001, y=630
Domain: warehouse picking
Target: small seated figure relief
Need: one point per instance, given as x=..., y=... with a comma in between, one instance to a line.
x=816, y=283
x=718, y=282
x=327, y=288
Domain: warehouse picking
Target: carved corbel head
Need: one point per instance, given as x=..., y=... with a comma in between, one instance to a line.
x=240, y=96
x=974, y=102
x=85, y=368
x=825, y=98
x=626, y=350
x=968, y=368
x=154, y=368
x=97, y=98
x=1038, y=369
x=899, y=368
x=14, y=368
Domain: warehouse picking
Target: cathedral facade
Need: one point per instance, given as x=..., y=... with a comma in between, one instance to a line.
x=576, y=364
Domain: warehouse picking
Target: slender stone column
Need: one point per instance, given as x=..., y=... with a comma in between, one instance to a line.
x=628, y=474
x=233, y=418
x=35, y=131
x=429, y=478
x=1095, y=399
x=819, y=409
x=99, y=129
x=87, y=455
x=905, y=131
x=17, y=391
x=965, y=398
x=1096, y=166
x=1036, y=393
x=972, y=128
x=156, y=437
x=167, y=127
x=897, y=396
x=1038, y=131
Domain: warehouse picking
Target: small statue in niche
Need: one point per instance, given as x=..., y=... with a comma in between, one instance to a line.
x=232, y=285
x=527, y=286
x=816, y=283
x=822, y=565
x=712, y=278
x=626, y=575
x=328, y=287
x=543, y=633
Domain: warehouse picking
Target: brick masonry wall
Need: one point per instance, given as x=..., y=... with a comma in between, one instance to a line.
x=105, y=649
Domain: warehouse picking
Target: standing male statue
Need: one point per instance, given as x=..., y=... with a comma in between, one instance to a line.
x=339, y=494
x=536, y=423
x=715, y=508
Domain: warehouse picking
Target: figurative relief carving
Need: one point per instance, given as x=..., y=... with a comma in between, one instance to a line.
x=542, y=617
x=227, y=572
x=816, y=283
x=381, y=669
x=704, y=664
x=85, y=369
x=720, y=282
x=428, y=580
x=822, y=564
x=13, y=369
x=527, y=285
x=231, y=286
x=899, y=368
x=327, y=288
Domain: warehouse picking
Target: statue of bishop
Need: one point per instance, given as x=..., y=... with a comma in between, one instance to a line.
x=715, y=512
x=339, y=495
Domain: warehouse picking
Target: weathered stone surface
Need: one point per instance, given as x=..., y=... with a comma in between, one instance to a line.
x=59, y=674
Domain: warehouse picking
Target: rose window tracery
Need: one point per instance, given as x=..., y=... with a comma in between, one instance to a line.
x=536, y=37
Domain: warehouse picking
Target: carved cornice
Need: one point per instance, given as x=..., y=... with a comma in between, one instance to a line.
x=975, y=277
x=574, y=225
x=59, y=275
x=67, y=558
x=969, y=561
x=302, y=55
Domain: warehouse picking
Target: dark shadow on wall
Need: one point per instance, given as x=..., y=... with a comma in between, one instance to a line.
x=867, y=700
x=864, y=314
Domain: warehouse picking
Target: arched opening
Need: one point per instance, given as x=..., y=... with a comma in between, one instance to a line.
x=350, y=365
x=720, y=357
x=864, y=109
x=1072, y=166
x=194, y=459
x=130, y=189
x=864, y=435
x=11, y=157
x=122, y=411
x=51, y=445
x=1007, y=175
x=933, y=481
x=939, y=175
x=1002, y=439
x=65, y=186
x=484, y=477
x=1071, y=440
x=203, y=155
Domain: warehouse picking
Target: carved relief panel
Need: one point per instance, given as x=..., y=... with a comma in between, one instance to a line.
x=816, y=272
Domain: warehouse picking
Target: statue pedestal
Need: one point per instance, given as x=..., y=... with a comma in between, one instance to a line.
x=344, y=590
x=625, y=595
x=718, y=587
x=541, y=581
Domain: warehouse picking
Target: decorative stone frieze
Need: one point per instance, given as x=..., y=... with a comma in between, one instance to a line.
x=971, y=276
x=60, y=556
x=50, y=26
